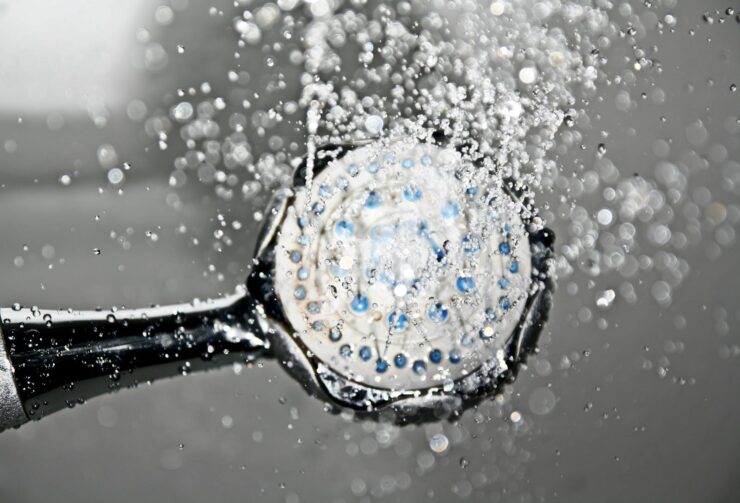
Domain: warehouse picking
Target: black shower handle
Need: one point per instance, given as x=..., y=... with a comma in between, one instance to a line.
x=50, y=360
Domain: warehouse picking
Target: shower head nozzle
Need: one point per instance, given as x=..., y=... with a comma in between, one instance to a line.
x=401, y=273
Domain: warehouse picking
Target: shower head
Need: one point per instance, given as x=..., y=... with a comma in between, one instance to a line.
x=395, y=275
x=400, y=274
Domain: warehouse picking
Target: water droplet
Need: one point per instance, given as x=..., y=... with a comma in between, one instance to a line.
x=439, y=443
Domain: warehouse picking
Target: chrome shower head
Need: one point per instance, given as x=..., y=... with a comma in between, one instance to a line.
x=398, y=274
x=395, y=275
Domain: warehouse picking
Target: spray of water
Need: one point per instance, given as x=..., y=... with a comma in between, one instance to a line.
x=505, y=81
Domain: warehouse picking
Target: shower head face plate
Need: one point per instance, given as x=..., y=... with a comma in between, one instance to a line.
x=397, y=273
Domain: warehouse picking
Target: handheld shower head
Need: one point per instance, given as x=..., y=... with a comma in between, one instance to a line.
x=394, y=275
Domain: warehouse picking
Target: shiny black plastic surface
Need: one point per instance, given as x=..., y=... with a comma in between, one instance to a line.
x=63, y=358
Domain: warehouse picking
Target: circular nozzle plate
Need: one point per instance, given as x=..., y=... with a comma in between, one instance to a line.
x=397, y=271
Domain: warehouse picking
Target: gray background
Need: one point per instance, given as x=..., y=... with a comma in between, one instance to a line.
x=619, y=431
